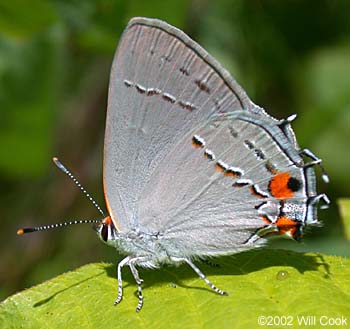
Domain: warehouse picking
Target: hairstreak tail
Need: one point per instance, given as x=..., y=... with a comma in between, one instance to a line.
x=192, y=167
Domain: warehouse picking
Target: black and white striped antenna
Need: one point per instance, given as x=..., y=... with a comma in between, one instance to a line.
x=60, y=166
x=60, y=225
x=21, y=231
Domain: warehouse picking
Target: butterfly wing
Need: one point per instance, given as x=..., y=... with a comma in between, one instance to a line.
x=213, y=191
x=162, y=86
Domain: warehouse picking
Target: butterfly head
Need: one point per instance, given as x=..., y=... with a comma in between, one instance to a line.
x=106, y=230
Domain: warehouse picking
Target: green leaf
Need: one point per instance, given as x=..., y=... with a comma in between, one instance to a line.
x=260, y=283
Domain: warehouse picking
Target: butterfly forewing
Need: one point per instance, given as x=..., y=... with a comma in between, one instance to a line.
x=162, y=86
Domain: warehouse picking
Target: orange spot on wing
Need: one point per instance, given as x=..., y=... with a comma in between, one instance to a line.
x=286, y=225
x=265, y=219
x=279, y=186
x=252, y=191
x=219, y=167
x=230, y=173
x=196, y=144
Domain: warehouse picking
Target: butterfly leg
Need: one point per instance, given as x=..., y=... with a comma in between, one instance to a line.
x=200, y=274
x=139, y=281
x=120, y=281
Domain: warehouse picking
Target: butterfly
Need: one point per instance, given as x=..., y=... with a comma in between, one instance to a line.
x=192, y=167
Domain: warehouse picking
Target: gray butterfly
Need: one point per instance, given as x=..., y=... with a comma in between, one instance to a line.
x=192, y=167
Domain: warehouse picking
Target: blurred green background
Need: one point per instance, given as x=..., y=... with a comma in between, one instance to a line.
x=55, y=57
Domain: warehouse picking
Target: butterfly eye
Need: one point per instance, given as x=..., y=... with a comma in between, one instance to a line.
x=104, y=232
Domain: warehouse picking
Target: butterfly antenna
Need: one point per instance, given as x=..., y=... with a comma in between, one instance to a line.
x=60, y=166
x=22, y=231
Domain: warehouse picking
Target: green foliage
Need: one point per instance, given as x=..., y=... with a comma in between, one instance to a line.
x=344, y=209
x=260, y=283
x=20, y=20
